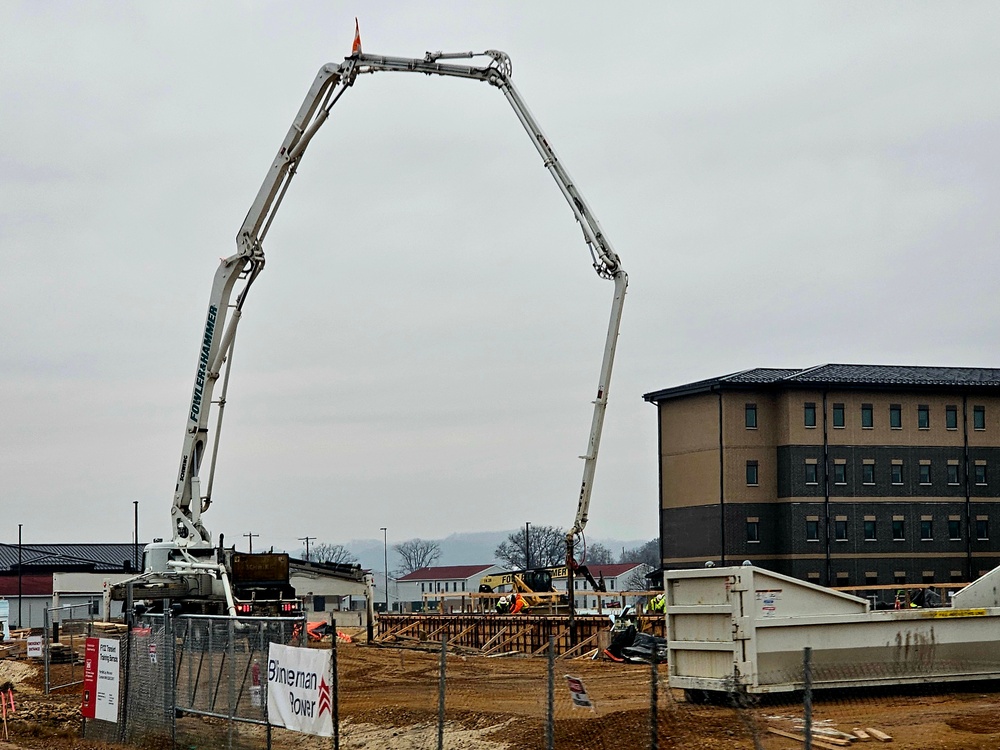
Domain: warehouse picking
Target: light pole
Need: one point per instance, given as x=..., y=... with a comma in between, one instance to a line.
x=527, y=546
x=135, y=535
x=385, y=562
x=20, y=623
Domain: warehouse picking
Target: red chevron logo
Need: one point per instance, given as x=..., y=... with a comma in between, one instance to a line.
x=325, y=699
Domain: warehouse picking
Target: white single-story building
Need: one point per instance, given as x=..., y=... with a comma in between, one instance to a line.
x=451, y=582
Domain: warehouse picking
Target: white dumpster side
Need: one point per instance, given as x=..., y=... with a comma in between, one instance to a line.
x=746, y=627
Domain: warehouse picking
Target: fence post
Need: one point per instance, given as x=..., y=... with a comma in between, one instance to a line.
x=441, y=688
x=231, y=653
x=170, y=667
x=654, y=699
x=46, y=643
x=123, y=710
x=807, y=696
x=335, y=680
x=550, y=726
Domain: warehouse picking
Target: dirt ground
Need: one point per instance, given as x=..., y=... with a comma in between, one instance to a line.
x=388, y=699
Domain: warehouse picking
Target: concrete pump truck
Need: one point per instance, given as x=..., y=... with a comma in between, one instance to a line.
x=189, y=570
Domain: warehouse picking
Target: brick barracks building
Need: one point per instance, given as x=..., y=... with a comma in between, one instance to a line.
x=842, y=475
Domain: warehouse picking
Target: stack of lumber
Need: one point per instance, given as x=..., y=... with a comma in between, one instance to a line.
x=832, y=739
x=108, y=628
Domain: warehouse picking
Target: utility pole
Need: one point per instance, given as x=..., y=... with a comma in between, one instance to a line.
x=527, y=546
x=305, y=539
x=385, y=563
x=250, y=536
x=135, y=534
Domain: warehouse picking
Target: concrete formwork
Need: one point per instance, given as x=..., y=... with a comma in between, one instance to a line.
x=494, y=634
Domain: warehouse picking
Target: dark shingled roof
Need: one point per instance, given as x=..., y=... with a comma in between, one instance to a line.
x=876, y=377
x=97, y=557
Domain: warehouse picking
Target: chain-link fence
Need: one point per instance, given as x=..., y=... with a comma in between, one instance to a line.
x=201, y=682
x=188, y=680
x=65, y=631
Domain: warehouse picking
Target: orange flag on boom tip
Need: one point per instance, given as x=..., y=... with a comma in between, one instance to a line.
x=356, y=47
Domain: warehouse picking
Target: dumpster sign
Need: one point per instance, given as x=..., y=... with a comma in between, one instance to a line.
x=768, y=601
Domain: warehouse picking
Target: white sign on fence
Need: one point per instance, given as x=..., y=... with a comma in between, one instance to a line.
x=34, y=647
x=299, y=696
x=4, y=619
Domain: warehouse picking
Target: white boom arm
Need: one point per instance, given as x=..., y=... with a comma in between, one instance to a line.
x=190, y=499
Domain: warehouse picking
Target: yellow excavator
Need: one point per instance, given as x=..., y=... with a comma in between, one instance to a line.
x=535, y=581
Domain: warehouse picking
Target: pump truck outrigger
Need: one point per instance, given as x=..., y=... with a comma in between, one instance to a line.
x=189, y=569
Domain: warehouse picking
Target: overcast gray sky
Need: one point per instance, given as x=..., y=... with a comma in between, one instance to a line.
x=787, y=184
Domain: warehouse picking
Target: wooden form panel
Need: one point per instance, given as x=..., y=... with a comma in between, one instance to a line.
x=498, y=634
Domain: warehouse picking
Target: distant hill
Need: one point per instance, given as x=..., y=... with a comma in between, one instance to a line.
x=462, y=549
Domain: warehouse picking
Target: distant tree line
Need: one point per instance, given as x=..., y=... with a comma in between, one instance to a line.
x=545, y=546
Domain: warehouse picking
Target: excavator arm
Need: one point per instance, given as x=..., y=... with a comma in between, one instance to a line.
x=242, y=268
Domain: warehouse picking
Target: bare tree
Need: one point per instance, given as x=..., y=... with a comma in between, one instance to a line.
x=546, y=544
x=330, y=553
x=648, y=553
x=636, y=580
x=598, y=554
x=417, y=554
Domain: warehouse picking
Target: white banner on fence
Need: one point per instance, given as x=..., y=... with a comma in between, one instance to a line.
x=298, y=689
x=108, y=677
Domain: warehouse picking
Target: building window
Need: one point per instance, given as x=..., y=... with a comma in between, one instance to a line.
x=951, y=417
x=871, y=578
x=869, y=529
x=811, y=477
x=867, y=473
x=838, y=415
x=954, y=529
x=750, y=416
x=896, y=475
x=982, y=529
x=926, y=529
x=752, y=473
x=812, y=530
x=867, y=416
x=925, y=473
x=952, y=473
x=753, y=531
x=979, y=417
x=810, y=415
x=840, y=530
x=840, y=474
x=899, y=577
x=898, y=530
x=422, y=588
x=896, y=417
x=923, y=417
x=980, y=473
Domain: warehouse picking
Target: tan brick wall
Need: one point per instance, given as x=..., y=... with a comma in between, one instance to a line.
x=691, y=479
x=689, y=424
